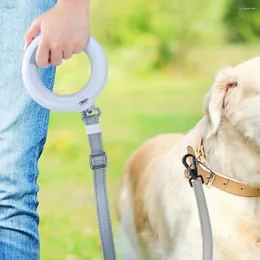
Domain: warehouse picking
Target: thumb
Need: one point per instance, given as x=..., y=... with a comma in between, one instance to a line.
x=34, y=29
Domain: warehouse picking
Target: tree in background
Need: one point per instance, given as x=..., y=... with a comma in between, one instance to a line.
x=169, y=29
x=242, y=18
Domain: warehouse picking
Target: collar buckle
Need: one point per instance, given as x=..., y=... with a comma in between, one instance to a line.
x=210, y=180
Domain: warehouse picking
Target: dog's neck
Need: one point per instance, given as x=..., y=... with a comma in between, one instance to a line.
x=229, y=154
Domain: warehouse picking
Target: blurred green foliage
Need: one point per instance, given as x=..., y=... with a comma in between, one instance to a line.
x=243, y=21
x=172, y=27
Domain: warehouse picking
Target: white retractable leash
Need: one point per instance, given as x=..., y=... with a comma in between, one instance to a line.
x=82, y=101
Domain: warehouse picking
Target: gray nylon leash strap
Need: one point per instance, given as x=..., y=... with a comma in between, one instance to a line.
x=196, y=182
x=204, y=220
x=98, y=163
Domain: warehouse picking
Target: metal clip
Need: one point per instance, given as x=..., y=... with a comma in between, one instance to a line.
x=192, y=169
x=91, y=110
x=88, y=113
x=210, y=180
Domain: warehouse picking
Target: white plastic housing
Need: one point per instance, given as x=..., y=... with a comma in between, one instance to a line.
x=78, y=101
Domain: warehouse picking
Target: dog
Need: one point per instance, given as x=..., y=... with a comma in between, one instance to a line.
x=156, y=207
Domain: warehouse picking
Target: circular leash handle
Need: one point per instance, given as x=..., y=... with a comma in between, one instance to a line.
x=79, y=101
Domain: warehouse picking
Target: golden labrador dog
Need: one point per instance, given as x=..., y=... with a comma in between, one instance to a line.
x=156, y=205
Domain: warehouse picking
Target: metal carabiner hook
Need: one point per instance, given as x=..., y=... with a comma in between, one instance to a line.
x=192, y=171
x=192, y=168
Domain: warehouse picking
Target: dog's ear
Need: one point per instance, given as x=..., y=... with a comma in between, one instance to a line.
x=218, y=96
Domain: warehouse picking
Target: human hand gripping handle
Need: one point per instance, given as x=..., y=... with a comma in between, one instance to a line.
x=64, y=30
x=79, y=101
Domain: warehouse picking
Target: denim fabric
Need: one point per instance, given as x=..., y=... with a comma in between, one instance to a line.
x=23, y=128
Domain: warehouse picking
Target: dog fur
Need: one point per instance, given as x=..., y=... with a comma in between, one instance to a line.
x=156, y=206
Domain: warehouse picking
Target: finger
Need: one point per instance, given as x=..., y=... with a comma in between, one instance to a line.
x=79, y=47
x=56, y=57
x=34, y=29
x=43, y=55
x=77, y=51
x=67, y=53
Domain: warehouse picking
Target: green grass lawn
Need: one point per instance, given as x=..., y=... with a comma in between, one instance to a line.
x=136, y=105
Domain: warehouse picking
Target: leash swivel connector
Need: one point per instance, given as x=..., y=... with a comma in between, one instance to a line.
x=192, y=168
x=90, y=112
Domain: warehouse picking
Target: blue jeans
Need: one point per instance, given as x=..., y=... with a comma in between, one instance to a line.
x=23, y=129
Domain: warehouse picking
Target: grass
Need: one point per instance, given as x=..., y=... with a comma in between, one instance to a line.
x=136, y=104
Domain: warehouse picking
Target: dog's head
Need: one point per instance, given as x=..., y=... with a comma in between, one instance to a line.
x=234, y=99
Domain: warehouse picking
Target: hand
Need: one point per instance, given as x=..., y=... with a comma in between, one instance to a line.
x=64, y=31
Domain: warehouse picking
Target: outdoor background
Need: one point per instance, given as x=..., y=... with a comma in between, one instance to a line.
x=163, y=55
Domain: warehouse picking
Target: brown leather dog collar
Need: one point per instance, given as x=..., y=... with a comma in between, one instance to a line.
x=217, y=180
